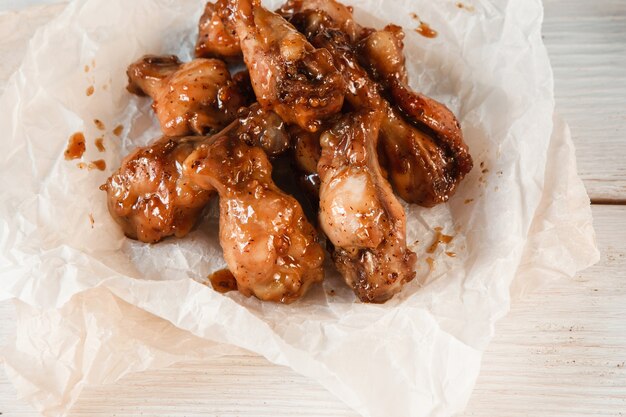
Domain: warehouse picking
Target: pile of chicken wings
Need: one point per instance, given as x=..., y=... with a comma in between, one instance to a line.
x=319, y=89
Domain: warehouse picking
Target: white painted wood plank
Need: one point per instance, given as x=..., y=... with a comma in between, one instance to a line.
x=561, y=352
x=586, y=41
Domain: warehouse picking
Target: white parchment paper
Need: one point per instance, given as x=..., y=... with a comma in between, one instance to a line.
x=94, y=306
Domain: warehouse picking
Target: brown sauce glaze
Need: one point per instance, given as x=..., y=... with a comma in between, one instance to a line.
x=76, y=146
x=99, y=124
x=223, y=281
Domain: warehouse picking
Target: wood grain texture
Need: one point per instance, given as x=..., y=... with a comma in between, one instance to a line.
x=586, y=41
x=561, y=352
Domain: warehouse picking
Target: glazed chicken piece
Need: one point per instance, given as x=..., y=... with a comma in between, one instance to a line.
x=214, y=39
x=196, y=97
x=148, y=195
x=359, y=213
x=289, y=76
x=340, y=14
x=423, y=167
x=268, y=244
x=382, y=54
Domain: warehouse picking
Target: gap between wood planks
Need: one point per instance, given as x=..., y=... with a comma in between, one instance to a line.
x=609, y=201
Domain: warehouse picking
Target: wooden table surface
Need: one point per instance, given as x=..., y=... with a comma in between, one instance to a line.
x=560, y=352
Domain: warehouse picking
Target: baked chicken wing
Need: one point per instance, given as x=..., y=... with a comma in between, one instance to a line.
x=196, y=97
x=359, y=213
x=289, y=76
x=268, y=244
x=150, y=198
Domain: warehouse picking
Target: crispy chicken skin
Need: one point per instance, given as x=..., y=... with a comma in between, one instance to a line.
x=268, y=244
x=359, y=213
x=214, y=39
x=196, y=97
x=150, y=198
x=289, y=76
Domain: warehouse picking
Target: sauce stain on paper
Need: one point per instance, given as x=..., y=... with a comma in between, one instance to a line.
x=100, y=144
x=439, y=239
x=118, y=130
x=467, y=7
x=425, y=30
x=223, y=281
x=98, y=164
x=76, y=146
x=99, y=124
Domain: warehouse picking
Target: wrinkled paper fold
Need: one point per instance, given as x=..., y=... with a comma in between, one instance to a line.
x=94, y=306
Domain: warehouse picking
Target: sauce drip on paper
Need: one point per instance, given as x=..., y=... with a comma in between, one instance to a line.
x=99, y=164
x=425, y=30
x=76, y=146
x=439, y=238
x=100, y=144
x=223, y=281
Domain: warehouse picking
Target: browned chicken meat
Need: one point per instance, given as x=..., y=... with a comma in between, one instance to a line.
x=148, y=195
x=340, y=14
x=359, y=213
x=214, y=39
x=289, y=76
x=424, y=167
x=382, y=54
x=196, y=97
x=268, y=244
